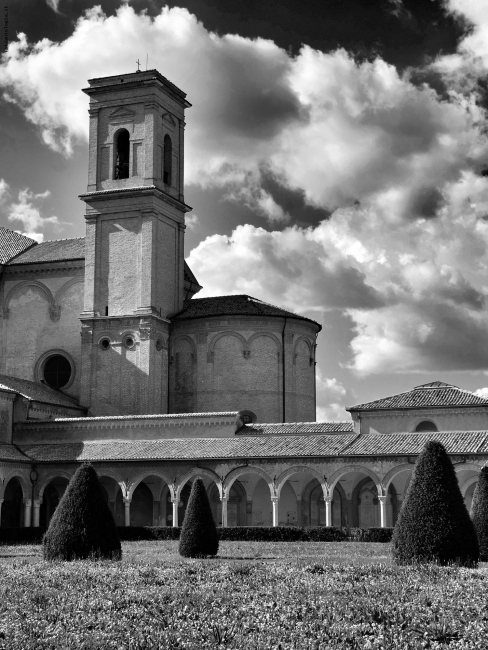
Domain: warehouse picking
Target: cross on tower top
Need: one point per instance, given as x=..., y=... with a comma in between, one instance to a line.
x=138, y=65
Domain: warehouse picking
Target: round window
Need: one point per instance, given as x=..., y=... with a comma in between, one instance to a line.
x=104, y=343
x=57, y=371
x=129, y=342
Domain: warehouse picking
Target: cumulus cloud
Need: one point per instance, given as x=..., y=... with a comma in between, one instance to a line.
x=293, y=264
x=192, y=221
x=25, y=212
x=393, y=165
x=331, y=396
x=322, y=124
x=415, y=291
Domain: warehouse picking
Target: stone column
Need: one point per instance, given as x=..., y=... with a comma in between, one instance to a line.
x=275, y=503
x=224, y=512
x=37, y=512
x=27, y=512
x=175, y=503
x=382, y=503
x=127, y=511
x=249, y=521
x=328, y=511
x=156, y=512
x=299, y=511
x=1, y=502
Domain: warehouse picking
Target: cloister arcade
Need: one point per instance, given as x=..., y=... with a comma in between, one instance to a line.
x=353, y=495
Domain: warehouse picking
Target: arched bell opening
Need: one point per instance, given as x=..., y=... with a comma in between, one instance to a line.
x=51, y=497
x=12, y=507
x=122, y=154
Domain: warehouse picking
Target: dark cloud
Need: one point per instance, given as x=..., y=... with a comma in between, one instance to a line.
x=293, y=201
x=402, y=33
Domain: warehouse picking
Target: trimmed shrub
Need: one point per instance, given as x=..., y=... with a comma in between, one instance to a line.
x=21, y=535
x=479, y=512
x=147, y=533
x=382, y=535
x=82, y=525
x=324, y=534
x=198, y=533
x=433, y=524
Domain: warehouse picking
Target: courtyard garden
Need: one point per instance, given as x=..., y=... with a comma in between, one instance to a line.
x=253, y=595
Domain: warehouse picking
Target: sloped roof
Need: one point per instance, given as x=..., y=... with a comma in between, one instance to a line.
x=295, y=428
x=36, y=392
x=12, y=243
x=233, y=306
x=252, y=447
x=436, y=394
x=398, y=444
x=10, y=452
x=53, y=251
x=192, y=449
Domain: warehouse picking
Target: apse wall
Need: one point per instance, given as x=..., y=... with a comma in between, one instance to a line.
x=236, y=363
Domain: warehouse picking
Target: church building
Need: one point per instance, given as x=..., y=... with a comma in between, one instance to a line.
x=107, y=356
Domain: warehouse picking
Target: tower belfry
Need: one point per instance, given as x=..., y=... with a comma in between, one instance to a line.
x=135, y=215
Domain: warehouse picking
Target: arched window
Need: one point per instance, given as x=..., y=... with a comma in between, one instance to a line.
x=426, y=425
x=122, y=151
x=168, y=155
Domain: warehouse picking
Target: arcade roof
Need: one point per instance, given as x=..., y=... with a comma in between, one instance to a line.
x=255, y=447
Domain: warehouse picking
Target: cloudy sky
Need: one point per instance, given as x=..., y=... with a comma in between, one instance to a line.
x=336, y=161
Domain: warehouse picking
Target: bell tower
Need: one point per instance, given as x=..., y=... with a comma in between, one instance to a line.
x=134, y=257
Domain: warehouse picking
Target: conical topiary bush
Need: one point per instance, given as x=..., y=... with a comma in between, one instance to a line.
x=433, y=524
x=479, y=512
x=198, y=533
x=82, y=525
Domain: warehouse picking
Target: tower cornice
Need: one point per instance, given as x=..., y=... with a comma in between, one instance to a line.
x=141, y=190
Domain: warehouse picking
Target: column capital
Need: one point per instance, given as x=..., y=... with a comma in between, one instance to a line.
x=382, y=499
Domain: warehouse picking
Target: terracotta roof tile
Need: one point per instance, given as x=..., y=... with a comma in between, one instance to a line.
x=192, y=449
x=435, y=394
x=53, y=251
x=10, y=452
x=12, y=243
x=295, y=428
x=233, y=306
x=455, y=442
x=36, y=392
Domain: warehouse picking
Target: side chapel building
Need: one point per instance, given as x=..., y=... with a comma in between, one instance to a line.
x=106, y=356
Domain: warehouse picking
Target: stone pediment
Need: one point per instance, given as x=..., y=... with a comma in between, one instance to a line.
x=169, y=120
x=121, y=115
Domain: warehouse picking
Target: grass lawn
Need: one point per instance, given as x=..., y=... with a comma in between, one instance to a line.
x=255, y=595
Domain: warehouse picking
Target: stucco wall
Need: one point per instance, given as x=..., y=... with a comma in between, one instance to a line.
x=460, y=419
x=40, y=314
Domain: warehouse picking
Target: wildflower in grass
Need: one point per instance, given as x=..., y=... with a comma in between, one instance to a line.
x=479, y=512
x=198, y=533
x=82, y=525
x=434, y=524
